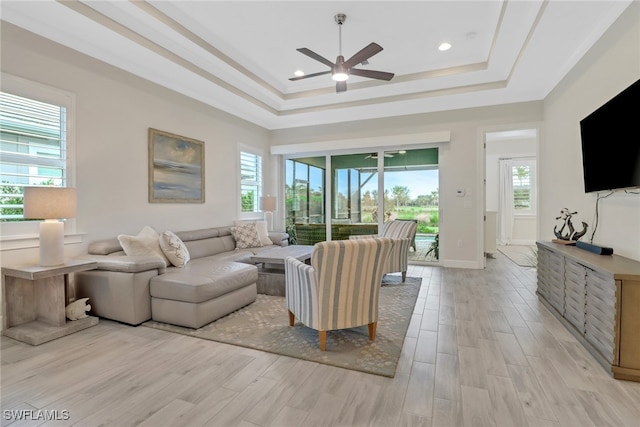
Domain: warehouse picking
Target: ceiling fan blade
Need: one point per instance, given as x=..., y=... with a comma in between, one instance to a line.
x=293, y=79
x=372, y=74
x=365, y=53
x=312, y=54
x=341, y=86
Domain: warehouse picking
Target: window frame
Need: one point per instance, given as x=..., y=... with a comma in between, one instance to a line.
x=21, y=234
x=531, y=163
x=259, y=183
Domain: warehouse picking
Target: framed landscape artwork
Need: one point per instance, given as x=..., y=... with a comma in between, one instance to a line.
x=176, y=168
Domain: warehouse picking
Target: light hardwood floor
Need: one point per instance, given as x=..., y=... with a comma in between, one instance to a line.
x=480, y=350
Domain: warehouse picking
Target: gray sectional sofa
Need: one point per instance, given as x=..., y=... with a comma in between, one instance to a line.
x=217, y=280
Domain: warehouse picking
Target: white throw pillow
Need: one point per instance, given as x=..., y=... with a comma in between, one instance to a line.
x=146, y=243
x=261, y=226
x=174, y=249
x=246, y=236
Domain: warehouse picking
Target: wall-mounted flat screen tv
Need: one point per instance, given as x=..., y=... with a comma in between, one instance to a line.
x=611, y=143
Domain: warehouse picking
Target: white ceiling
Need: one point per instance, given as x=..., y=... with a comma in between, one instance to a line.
x=238, y=56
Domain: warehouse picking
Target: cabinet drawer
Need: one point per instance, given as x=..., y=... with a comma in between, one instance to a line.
x=578, y=289
x=605, y=325
x=602, y=293
x=556, y=271
x=575, y=273
x=577, y=304
x=602, y=282
x=556, y=299
x=606, y=307
x=575, y=317
x=605, y=348
x=577, y=295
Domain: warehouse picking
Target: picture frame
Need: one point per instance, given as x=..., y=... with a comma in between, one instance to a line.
x=176, y=168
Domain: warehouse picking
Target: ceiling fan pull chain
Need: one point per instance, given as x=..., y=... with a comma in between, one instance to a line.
x=340, y=38
x=339, y=35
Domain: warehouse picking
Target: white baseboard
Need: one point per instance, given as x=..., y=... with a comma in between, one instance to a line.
x=523, y=242
x=453, y=263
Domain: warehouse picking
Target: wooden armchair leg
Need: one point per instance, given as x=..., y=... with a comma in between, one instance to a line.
x=292, y=318
x=372, y=331
x=323, y=340
x=404, y=276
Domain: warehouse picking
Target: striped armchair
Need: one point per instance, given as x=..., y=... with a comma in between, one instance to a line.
x=402, y=233
x=340, y=288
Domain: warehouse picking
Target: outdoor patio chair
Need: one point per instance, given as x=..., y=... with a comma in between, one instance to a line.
x=403, y=234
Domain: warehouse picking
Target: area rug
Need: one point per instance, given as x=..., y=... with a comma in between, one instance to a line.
x=523, y=255
x=264, y=325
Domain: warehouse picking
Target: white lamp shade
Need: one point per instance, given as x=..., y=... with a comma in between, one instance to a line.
x=268, y=203
x=49, y=202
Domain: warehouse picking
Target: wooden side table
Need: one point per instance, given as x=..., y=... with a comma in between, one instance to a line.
x=35, y=298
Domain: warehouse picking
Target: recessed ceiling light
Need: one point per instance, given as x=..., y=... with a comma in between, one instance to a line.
x=444, y=46
x=299, y=73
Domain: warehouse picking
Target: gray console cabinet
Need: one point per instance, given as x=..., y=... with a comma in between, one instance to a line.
x=597, y=298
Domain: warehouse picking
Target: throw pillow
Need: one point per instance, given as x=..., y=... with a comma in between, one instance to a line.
x=174, y=249
x=246, y=236
x=261, y=226
x=146, y=243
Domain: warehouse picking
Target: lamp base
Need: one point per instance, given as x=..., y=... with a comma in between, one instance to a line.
x=51, y=243
x=268, y=217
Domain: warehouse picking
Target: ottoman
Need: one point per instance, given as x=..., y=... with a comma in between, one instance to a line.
x=201, y=292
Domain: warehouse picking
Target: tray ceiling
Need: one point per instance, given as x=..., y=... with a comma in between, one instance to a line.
x=238, y=56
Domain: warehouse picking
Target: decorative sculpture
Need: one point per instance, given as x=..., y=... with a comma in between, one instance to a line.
x=77, y=309
x=571, y=234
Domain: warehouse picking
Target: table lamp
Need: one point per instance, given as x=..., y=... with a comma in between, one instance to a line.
x=50, y=204
x=268, y=205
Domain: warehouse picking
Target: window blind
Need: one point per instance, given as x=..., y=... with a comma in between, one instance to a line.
x=32, y=149
x=250, y=181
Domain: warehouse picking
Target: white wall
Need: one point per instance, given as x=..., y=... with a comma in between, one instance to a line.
x=115, y=109
x=114, y=112
x=461, y=164
x=608, y=68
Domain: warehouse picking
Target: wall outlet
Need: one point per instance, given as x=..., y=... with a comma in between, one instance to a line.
x=459, y=243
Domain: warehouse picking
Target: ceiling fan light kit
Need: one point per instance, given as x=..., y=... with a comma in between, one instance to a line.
x=341, y=69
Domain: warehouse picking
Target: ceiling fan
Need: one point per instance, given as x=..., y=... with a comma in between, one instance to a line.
x=341, y=69
x=387, y=154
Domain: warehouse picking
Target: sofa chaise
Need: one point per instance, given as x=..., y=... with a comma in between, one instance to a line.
x=217, y=279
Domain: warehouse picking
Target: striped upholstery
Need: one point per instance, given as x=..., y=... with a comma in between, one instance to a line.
x=340, y=288
x=402, y=233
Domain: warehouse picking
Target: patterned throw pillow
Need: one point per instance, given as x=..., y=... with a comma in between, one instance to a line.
x=261, y=226
x=246, y=236
x=174, y=249
x=145, y=243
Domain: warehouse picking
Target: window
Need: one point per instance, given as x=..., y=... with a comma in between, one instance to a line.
x=523, y=174
x=33, y=149
x=250, y=182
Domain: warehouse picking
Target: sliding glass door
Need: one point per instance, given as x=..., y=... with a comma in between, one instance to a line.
x=354, y=196
x=337, y=196
x=411, y=194
x=305, y=199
